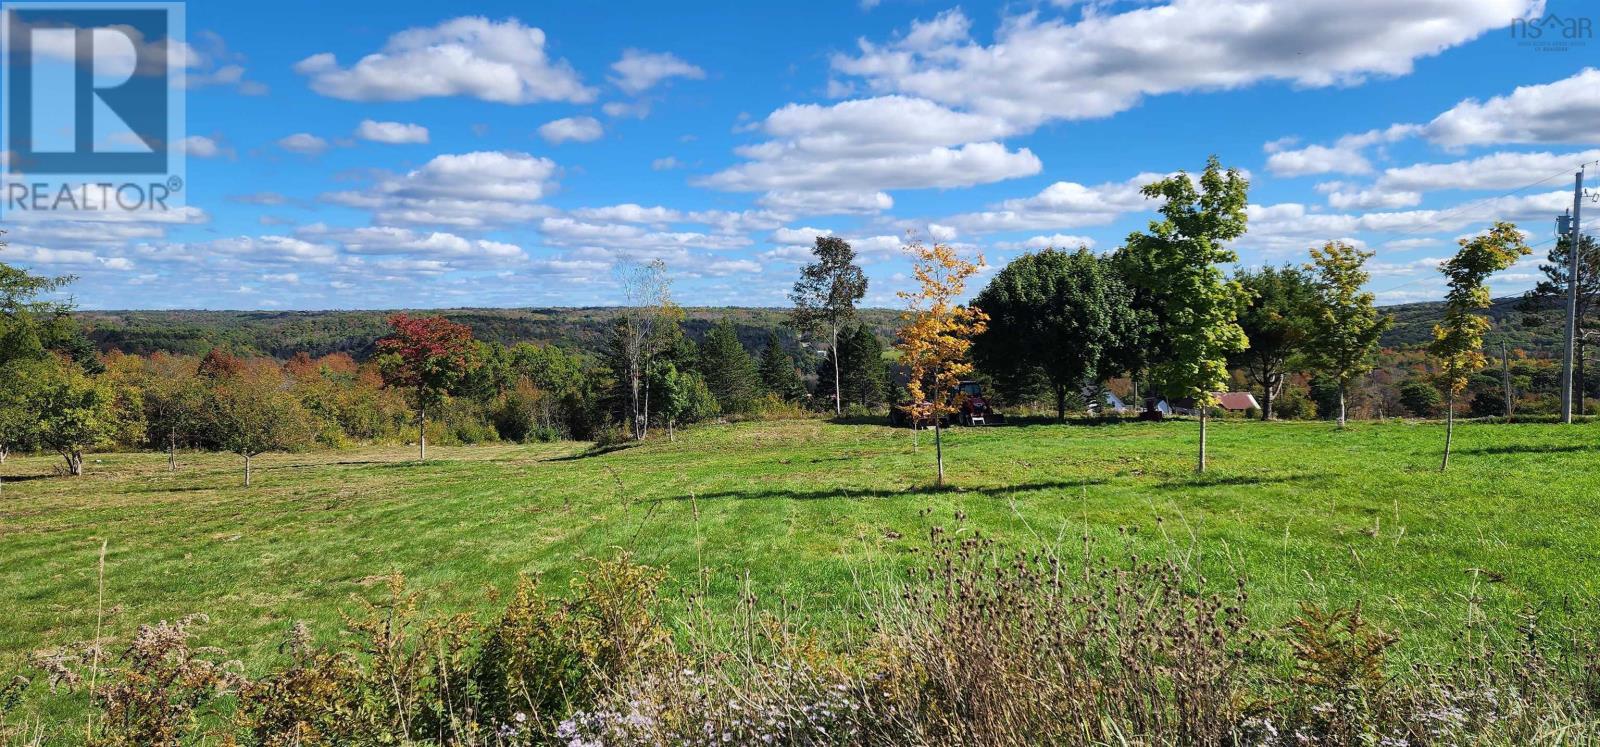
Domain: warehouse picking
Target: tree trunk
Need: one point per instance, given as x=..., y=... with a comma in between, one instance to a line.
x=938, y=450
x=74, y=462
x=4, y=452
x=1577, y=383
x=247, y=470
x=838, y=406
x=422, y=429
x=1449, y=430
x=671, y=436
x=172, y=451
x=644, y=426
x=1341, y=404
x=1505, y=378
x=1201, y=468
x=1061, y=403
x=1266, y=399
x=633, y=402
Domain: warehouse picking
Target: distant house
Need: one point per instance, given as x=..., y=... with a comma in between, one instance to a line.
x=1107, y=402
x=1228, y=401
x=1236, y=401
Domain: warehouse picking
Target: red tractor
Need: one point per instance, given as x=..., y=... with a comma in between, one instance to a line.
x=974, y=410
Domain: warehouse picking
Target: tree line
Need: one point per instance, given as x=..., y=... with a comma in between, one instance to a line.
x=1161, y=313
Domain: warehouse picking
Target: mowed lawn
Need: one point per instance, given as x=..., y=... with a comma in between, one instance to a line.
x=811, y=512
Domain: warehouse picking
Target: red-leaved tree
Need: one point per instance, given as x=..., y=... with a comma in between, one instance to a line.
x=426, y=356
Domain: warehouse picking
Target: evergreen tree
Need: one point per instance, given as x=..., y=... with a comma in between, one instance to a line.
x=863, y=375
x=729, y=371
x=778, y=373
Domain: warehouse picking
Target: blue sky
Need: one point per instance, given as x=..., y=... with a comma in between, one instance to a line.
x=383, y=155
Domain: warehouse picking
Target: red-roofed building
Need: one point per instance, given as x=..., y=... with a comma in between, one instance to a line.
x=1236, y=401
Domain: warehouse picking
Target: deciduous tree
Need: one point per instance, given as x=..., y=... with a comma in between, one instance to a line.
x=1344, y=325
x=825, y=298
x=647, y=299
x=1180, y=270
x=73, y=411
x=936, y=338
x=1275, y=322
x=1055, y=315
x=425, y=356
x=1458, y=339
x=252, y=412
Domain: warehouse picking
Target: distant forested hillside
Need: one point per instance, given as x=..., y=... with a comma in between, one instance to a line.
x=1519, y=325
x=282, y=333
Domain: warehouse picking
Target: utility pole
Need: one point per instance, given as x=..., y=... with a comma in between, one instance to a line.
x=1575, y=234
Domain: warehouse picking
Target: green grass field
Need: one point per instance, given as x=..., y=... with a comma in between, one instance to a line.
x=810, y=511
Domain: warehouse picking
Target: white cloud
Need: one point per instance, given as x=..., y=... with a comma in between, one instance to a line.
x=941, y=233
x=1345, y=156
x=666, y=163
x=731, y=266
x=1038, y=69
x=201, y=146
x=1343, y=196
x=288, y=278
x=504, y=62
x=576, y=129
x=1062, y=205
x=469, y=190
x=394, y=133
x=840, y=158
x=630, y=213
x=1492, y=171
x=1052, y=241
x=1561, y=112
x=271, y=249
x=303, y=143
x=826, y=202
x=632, y=240
x=964, y=166
x=806, y=236
x=387, y=240
x=638, y=71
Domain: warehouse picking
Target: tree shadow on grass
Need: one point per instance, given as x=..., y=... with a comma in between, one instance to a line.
x=592, y=451
x=1531, y=449
x=812, y=495
x=1216, y=481
x=8, y=479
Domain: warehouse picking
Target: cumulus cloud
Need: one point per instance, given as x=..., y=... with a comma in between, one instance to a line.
x=871, y=145
x=201, y=146
x=1563, y=112
x=503, y=62
x=1345, y=156
x=639, y=71
x=573, y=129
x=1038, y=68
x=1052, y=241
x=1061, y=205
x=393, y=133
x=303, y=143
x=826, y=202
x=469, y=190
x=1503, y=170
x=434, y=245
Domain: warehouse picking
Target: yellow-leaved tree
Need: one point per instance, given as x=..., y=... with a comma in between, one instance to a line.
x=936, y=337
